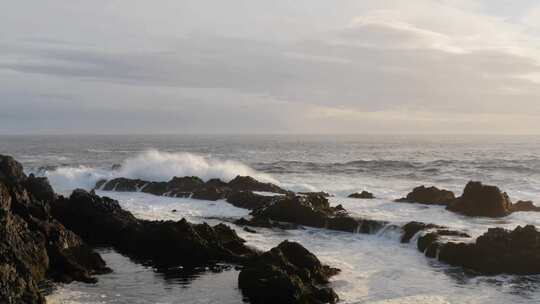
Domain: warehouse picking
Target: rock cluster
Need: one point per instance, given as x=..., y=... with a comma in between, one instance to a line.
x=41, y=237
x=238, y=191
x=287, y=273
x=101, y=221
x=477, y=200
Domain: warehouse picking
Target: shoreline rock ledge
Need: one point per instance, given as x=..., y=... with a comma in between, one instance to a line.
x=44, y=236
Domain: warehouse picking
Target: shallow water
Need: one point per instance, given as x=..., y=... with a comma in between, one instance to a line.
x=375, y=268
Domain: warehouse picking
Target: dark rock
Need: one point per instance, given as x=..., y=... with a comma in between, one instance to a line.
x=248, y=200
x=116, y=167
x=263, y=222
x=497, y=251
x=482, y=200
x=297, y=209
x=246, y=229
x=174, y=211
x=520, y=206
x=210, y=193
x=122, y=184
x=101, y=220
x=248, y=183
x=412, y=228
x=321, y=193
x=40, y=188
x=287, y=273
x=11, y=171
x=343, y=223
x=33, y=245
x=428, y=196
x=186, y=183
x=362, y=195
x=426, y=240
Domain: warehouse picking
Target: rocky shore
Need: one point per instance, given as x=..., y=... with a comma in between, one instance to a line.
x=288, y=210
x=44, y=236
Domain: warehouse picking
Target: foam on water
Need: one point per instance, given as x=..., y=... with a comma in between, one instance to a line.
x=153, y=165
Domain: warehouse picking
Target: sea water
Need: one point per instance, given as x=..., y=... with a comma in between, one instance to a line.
x=376, y=268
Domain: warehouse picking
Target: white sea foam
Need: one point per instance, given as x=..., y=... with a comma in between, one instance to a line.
x=154, y=165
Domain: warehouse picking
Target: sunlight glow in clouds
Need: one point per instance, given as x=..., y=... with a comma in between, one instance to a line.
x=270, y=67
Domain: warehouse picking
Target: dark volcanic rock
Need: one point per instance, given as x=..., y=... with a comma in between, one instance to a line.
x=287, y=273
x=33, y=245
x=297, y=209
x=412, y=228
x=362, y=195
x=343, y=223
x=248, y=183
x=40, y=188
x=249, y=200
x=482, y=200
x=428, y=196
x=497, y=251
x=101, y=220
x=210, y=193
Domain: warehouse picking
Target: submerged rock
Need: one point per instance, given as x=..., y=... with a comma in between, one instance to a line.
x=288, y=273
x=362, y=195
x=429, y=196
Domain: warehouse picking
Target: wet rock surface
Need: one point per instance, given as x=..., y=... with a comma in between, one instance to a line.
x=101, y=221
x=487, y=201
x=288, y=273
x=497, y=251
x=239, y=191
x=33, y=245
x=429, y=196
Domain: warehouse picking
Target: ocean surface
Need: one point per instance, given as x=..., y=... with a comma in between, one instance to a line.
x=376, y=268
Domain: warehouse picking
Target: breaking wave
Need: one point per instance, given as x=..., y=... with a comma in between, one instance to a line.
x=153, y=165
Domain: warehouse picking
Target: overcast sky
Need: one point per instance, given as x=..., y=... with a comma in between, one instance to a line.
x=302, y=66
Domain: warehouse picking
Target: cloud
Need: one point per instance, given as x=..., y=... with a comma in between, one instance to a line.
x=390, y=64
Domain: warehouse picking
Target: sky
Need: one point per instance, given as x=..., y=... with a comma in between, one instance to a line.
x=249, y=66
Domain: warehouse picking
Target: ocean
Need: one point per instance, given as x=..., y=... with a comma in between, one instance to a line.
x=376, y=268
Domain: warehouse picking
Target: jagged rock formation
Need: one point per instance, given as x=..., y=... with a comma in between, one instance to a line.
x=101, y=221
x=287, y=273
x=238, y=191
x=33, y=245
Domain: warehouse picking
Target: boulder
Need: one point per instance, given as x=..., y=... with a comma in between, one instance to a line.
x=429, y=196
x=288, y=273
x=497, y=251
x=362, y=195
x=482, y=200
